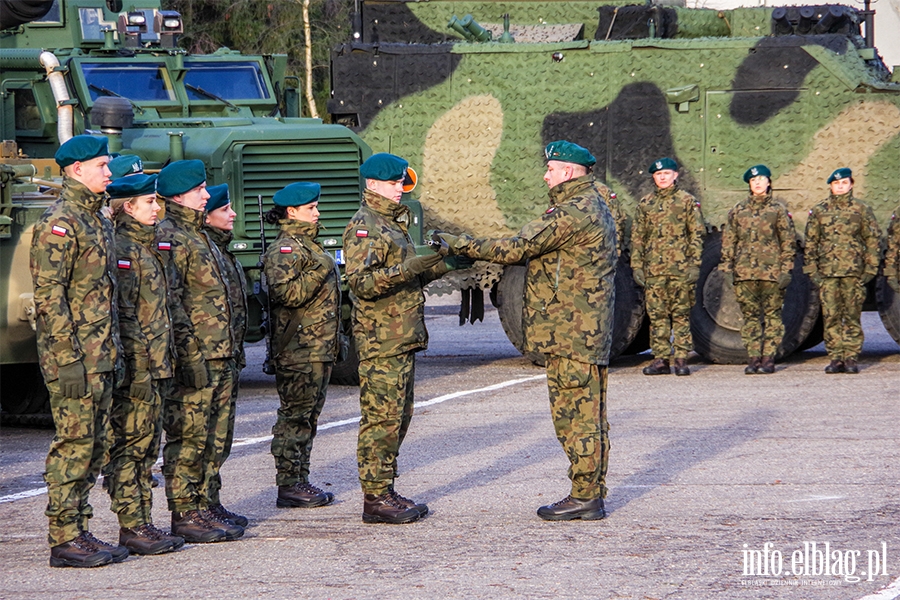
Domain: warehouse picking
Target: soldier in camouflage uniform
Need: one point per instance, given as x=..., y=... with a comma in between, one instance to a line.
x=72, y=264
x=892, y=253
x=842, y=255
x=204, y=346
x=568, y=315
x=149, y=351
x=666, y=247
x=305, y=296
x=386, y=278
x=757, y=257
x=218, y=227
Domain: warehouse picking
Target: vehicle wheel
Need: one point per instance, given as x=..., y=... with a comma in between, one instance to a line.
x=23, y=390
x=346, y=372
x=510, y=300
x=629, y=312
x=888, y=307
x=716, y=317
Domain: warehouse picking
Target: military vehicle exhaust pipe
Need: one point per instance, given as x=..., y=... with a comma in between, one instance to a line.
x=64, y=113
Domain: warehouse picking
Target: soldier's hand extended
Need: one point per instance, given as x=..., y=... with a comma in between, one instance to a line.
x=73, y=380
x=867, y=277
x=894, y=283
x=415, y=266
x=193, y=375
x=784, y=280
x=141, y=387
x=639, y=277
x=458, y=262
x=693, y=274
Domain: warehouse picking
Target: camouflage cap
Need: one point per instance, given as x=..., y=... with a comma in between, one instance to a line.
x=80, y=149
x=300, y=193
x=842, y=173
x=129, y=187
x=218, y=197
x=757, y=171
x=384, y=167
x=564, y=151
x=125, y=165
x=180, y=176
x=662, y=164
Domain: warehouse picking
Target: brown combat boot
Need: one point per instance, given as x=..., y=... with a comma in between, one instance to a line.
x=570, y=508
x=752, y=366
x=681, y=367
x=384, y=509
x=835, y=366
x=420, y=507
x=118, y=553
x=147, y=539
x=302, y=495
x=659, y=366
x=220, y=511
x=79, y=553
x=851, y=366
x=767, y=365
x=232, y=530
x=194, y=527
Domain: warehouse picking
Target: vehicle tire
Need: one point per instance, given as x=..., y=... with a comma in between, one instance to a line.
x=346, y=372
x=24, y=399
x=628, y=318
x=716, y=317
x=888, y=307
x=510, y=300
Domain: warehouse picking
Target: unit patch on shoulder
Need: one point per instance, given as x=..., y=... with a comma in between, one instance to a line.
x=60, y=231
x=362, y=233
x=124, y=264
x=164, y=245
x=286, y=249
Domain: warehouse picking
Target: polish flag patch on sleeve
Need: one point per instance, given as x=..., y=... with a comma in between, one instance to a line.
x=60, y=231
x=124, y=264
x=286, y=249
x=164, y=245
x=362, y=233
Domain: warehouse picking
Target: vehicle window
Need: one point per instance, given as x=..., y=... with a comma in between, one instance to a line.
x=143, y=81
x=229, y=80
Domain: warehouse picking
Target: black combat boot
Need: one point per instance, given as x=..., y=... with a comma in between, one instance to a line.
x=752, y=366
x=384, y=509
x=767, y=365
x=851, y=366
x=232, y=530
x=79, y=553
x=659, y=366
x=302, y=495
x=118, y=553
x=681, y=367
x=195, y=528
x=570, y=508
x=420, y=507
x=221, y=511
x=835, y=366
x=147, y=539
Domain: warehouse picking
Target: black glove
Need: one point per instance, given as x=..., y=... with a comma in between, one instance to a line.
x=415, y=266
x=73, y=380
x=193, y=375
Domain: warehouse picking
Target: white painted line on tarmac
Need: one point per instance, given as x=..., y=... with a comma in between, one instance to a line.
x=889, y=593
x=322, y=427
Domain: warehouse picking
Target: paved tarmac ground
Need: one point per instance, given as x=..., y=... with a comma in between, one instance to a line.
x=712, y=478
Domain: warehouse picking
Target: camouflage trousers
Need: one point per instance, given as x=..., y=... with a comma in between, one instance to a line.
x=215, y=480
x=301, y=389
x=669, y=301
x=578, y=408
x=760, y=303
x=842, y=300
x=193, y=450
x=75, y=456
x=136, y=428
x=386, y=406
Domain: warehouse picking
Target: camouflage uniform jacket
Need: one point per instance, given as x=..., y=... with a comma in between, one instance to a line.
x=199, y=302
x=758, y=240
x=237, y=284
x=620, y=217
x=892, y=253
x=667, y=238
x=569, y=282
x=73, y=264
x=388, y=310
x=842, y=238
x=143, y=301
x=305, y=295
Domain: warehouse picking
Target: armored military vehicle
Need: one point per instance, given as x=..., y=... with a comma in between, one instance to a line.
x=112, y=67
x=471, y=91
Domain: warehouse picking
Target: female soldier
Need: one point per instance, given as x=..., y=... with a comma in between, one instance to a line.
x=758, y=255
x=305, y=298
x=146, y=332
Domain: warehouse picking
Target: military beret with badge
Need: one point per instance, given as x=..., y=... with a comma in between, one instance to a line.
x=218, y=197
x=180, y=176
x=384, y=167
x=81, y=148
x=125, y=165
x=757, y=171
x=130, y=187
x=663, y=164
x=842, y=173
x=565, y=151
x=297, y=194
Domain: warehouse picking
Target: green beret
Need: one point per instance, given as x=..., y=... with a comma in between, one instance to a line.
x=129, y=187
x=757, y=171
x=81, y=148
x=300, y=193
x=218, y=197
x=180, y=176
x=662, y=164
x=842, y=173
x=125, y=165
x=384, y=167
x=564, y=151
